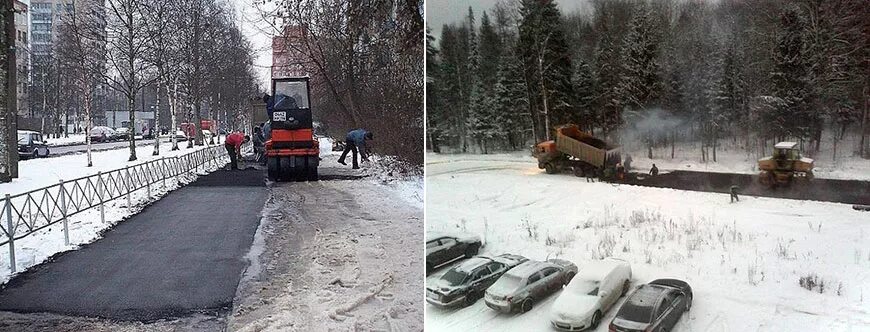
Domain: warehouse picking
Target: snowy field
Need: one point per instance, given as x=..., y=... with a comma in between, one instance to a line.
x=84, y=227
x=744, y=261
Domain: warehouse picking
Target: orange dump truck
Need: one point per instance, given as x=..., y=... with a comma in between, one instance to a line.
x=575, y=150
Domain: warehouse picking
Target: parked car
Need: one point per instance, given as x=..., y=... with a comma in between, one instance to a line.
x=31, y=145
x=465, y=283
x=102, y=134
x=655, y=307
x=443, y=249
x=122, y=133
x=532, y=281
x=180, y=135
x=593, y=291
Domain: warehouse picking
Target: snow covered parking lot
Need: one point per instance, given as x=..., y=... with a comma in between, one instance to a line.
x=750, y=264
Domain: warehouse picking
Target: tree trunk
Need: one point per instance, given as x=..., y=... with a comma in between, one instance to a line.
x=173, y=99
x=88, y=125
x=131, y=104
x=9, y=146
x=156, y=124
x=862, y=151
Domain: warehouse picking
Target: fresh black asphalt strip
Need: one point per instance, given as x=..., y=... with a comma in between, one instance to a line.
x=181, y=255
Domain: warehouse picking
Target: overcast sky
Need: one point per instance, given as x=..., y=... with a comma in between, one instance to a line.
x=260, y=35
x=440, y=12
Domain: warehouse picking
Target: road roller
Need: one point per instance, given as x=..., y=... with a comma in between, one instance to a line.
x=292, y=151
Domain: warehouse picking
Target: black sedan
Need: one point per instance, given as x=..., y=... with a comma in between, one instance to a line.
x=465, y=283
x=656, y=306
x=443, y=249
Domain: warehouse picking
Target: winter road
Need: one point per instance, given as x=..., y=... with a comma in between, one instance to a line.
x=183, y=254
x=334, y=255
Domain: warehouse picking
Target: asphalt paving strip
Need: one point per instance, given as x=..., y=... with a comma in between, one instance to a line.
x=182, y=255
x=830, y=190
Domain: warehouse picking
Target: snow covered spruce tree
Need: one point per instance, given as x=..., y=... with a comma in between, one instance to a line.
x=794, y=118
x=543, y=48
x=511, y=102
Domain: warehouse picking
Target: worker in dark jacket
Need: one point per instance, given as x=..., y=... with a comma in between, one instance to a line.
x=259, y=144
x=654, y=170
x=233, y=144
x=356, y=140
x=734, y=194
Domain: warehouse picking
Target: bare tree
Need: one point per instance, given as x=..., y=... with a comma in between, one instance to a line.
x=129, y=39
x=81, y=51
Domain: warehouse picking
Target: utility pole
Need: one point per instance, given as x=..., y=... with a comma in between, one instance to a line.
x=9, y=121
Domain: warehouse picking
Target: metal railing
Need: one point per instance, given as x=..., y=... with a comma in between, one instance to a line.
x=26, y=213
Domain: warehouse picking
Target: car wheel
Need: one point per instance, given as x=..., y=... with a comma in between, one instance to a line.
x=35, y=154
x=550, y=168
x=471, y=251
x=596, y=319
x=527, y=305
x=568, y=278
x=471, y=298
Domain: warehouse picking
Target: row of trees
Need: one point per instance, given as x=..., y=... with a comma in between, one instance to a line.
x=190, y=51
x=366, y=62
x=652, y=71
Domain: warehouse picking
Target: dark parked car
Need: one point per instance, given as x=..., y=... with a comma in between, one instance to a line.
x=31, y=145
x=654, y=307
x=465, y=283
x=532, y=281
x=443, y=249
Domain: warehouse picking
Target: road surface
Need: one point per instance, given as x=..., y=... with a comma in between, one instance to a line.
x=184, y=254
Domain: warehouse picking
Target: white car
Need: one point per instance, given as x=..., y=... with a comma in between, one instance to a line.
x=593, y=291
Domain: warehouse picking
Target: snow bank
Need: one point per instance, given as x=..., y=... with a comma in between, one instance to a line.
x=73, y=139
x=38, y=173
x=744, y=261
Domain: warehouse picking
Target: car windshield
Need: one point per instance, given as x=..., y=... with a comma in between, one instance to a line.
x=507, y=284
x=584, y=287
x=291, y=95
x=22, y=138
x=454, y=277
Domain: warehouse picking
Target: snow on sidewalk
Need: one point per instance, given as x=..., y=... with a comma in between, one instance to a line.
x=744, y=260
x=86, y=226
x=38, y=173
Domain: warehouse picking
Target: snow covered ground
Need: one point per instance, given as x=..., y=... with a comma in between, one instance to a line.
x=337, y=254
x=84, y=227
x=38, y=173
x=744, y=260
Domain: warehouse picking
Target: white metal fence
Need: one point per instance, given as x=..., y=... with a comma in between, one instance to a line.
x=26, y=213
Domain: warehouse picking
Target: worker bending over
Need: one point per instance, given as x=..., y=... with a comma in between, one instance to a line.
x=233, y=143
x=356, y=140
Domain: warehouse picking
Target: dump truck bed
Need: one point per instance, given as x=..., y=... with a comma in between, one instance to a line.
x=584, y=147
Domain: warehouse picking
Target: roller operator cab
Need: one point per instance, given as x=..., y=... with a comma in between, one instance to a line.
x=292, y=152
